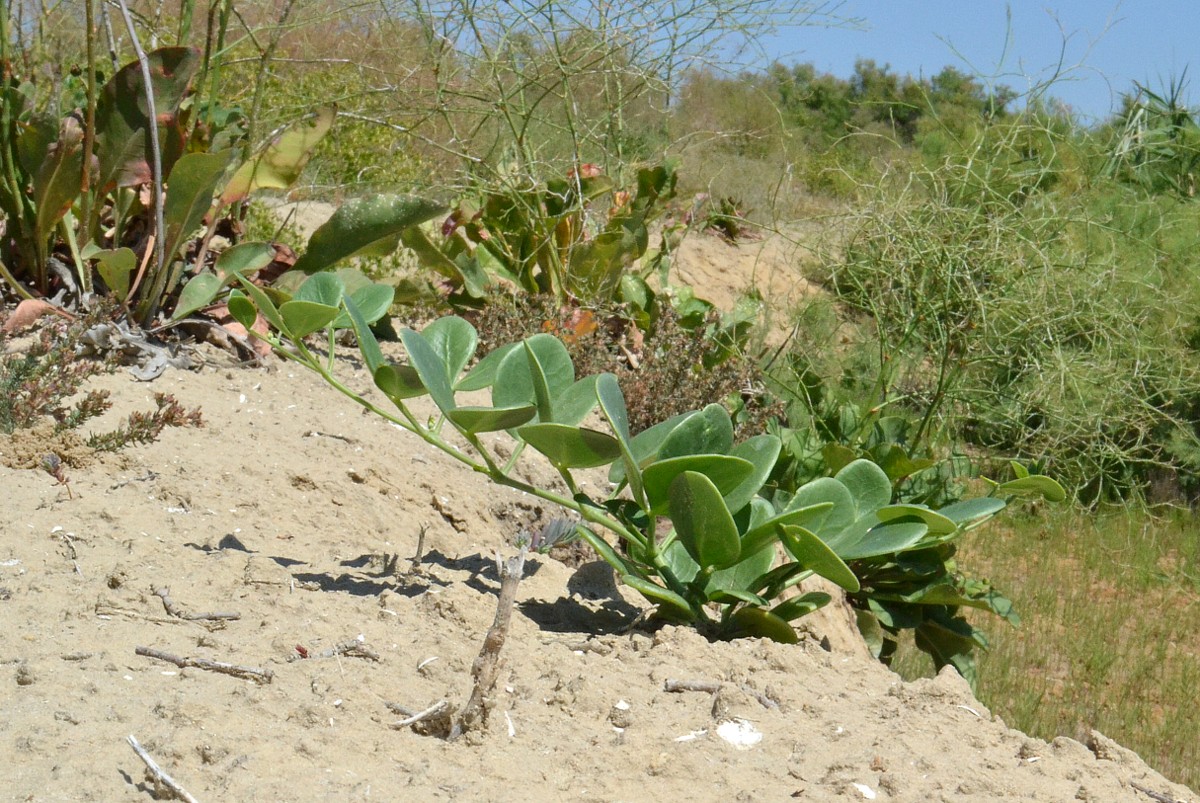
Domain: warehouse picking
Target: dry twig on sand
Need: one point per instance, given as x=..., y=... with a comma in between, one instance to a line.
x=260, y=675
x=169, y=604
x=160, y=777
x=487, y=666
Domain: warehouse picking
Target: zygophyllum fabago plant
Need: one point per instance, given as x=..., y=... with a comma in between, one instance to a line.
x=696, y=539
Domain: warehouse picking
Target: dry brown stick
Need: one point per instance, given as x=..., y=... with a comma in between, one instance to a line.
x=165, y=594
x=487, y=666
x=159, y=775
x=707, y=686
x=1159, y=796
x=260, y=675
x=420, y=716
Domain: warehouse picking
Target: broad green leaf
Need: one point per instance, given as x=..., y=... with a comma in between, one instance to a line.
x=199, y=292
x=574, y=403
x=399, y=382
x=671, y=605
x=1019, y=470
x=937, y=523
x=514, y=384
x=813, y=553
x=703, y=523
x=726, y=473
x=122, y=121
x=243, y=258
x=321, y=288
x=454, y=341
x=1035, y=485
x=971, y=512
x=242, y=310
x=872, y=633
x=190, y=196
x=490, y=419
x=767, y=532
x=732, y=596
x=821, y=491
x=861, y=540
x=430, y=367
x=761, y=451
x=281, y=162
x=644, y=445
x=265, y=306
x=750, y=622
x=368, y=223
x=803, y=605
x=571, y=447
x=57, y=182
x=707, y=431
x=484, y=373
x=869, y=486
x=305, y=317
x=612, y=404
x=368, y=346
x=745, y=575
x=374, y=300
x=541, y=390
x=116, y=268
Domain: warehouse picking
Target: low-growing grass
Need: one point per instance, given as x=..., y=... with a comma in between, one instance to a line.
x=1107, y=639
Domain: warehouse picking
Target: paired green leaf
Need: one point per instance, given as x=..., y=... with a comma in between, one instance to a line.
x=705, y=526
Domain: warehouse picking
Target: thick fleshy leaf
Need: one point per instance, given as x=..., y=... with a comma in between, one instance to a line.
x=454, y=340
x=280, y=164
x=242, y=309
x=57, y=182
x=514, y=384
x=821, y=491
x=371, y=224
x=972, y=512
x=612, y=404
x=571, y=447
x=707, y=431
x=264, y=304
x=766, y=532
x=813, y=553
x=305, y=317
x=373, y=301
x=869, y=486
x=368, y=345
x=490, y=419
x=122, y=122
x=243, y=258
x=484, y=373
x=746, y=574
x=761, y=451
x=1035, y=485
x=751, y=622
x=399, y=382
x=726, y=473
x=644, y=445
x=670, y=604
x=116, y=268
x=576, y=402
x=190, y=196
x=321, y=288
x=857, y=541
x=794, y=608
x=430, y=367
x=199, y=292
x=732, y=596
x=937, y=523
x=702, y=522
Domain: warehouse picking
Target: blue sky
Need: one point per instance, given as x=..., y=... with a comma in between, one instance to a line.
x=1108, y=45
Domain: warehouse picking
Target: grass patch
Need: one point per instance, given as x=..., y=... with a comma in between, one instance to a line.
x=1107, y=639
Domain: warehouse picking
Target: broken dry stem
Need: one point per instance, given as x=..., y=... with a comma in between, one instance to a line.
x=487, y=666
x=160, y=776
x=248, y=672
x=350, y=647
x=169, y=604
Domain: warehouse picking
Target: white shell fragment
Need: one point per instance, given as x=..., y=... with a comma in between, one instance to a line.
x=741, y=733
x=867, y=791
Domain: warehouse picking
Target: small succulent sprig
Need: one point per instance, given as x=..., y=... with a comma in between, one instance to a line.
x=699, y=542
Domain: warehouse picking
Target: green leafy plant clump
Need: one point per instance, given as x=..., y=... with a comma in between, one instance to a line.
x=693, y=534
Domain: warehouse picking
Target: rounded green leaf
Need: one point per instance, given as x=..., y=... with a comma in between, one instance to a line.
x=1035, y=485
x=670, y=605
x=199, y=292
x=767, y=532
x=726, y=473
x=321, y=288
x=826, y=490
x=305, y=317
x=761, y=451
x=366, y=224
x=265, y=306
x=938, y=524
x=746, y=574
x=243, y=258
x=571, y=447
x=435, y=375
x=881, y=539
x=813, y=553
x=707, y=431
x=373, y=300
x=756, y=622
x=515, y=384
x=868, y=485
x=399, y=382
x=454, y=339
x=242, y=309
x=971, y=512
x=484, y=373
x=803, y=605
x=490, y=419
x=703, y=523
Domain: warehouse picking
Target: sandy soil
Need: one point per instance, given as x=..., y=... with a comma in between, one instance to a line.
x=300, y=514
